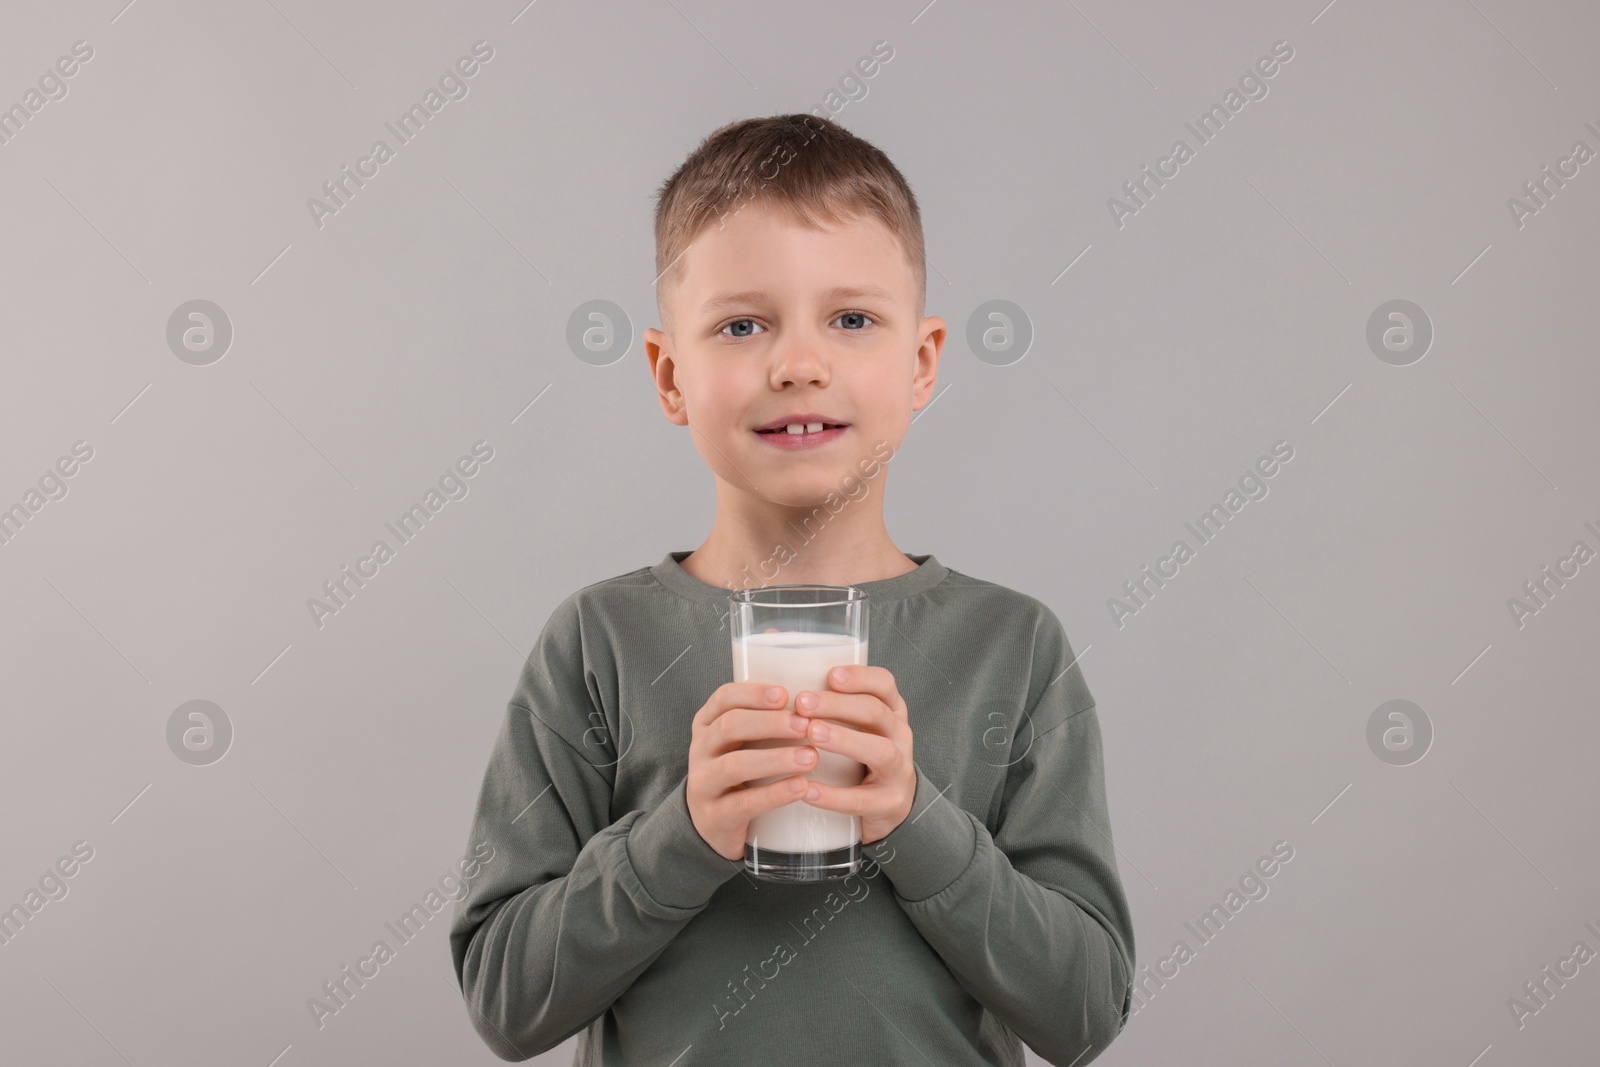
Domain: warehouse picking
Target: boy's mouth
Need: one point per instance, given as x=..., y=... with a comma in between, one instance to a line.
x=801, y=431
x=797, y=428
x=797, y=422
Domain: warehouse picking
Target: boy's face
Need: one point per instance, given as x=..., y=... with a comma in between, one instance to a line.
x=773, y=319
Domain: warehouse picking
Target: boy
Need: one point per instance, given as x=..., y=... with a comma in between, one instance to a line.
x=990, y=909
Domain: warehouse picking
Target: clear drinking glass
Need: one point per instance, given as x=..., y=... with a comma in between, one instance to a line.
x=791, y=635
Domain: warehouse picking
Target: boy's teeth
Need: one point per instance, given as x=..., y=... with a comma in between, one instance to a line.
x=809, y=427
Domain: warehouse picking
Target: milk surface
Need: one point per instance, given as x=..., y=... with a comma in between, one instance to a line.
x=800, y=661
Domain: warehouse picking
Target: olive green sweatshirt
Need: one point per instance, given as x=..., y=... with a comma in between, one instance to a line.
x=993, y=913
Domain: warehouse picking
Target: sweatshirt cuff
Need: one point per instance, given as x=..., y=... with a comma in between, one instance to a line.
x=931, y=848
x=672, y=861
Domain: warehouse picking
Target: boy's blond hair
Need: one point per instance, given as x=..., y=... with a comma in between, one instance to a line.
x=804, y=164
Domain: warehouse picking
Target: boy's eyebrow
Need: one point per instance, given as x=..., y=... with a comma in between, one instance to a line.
x=753, y=296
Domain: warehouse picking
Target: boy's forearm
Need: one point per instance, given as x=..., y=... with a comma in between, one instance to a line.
x=1029, y=953
x=544, y=962
x=1030, y=938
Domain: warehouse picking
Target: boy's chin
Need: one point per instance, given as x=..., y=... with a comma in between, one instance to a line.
x=807, y=493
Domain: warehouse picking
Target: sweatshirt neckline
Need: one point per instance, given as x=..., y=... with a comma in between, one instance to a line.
x=929, y=572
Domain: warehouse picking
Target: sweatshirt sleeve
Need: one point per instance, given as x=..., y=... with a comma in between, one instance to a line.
x=1032, y=920
x=572, y=907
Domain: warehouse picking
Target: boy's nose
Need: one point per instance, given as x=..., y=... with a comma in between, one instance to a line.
x=799, y=359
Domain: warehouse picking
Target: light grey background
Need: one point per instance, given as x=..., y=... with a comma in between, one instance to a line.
x=1229, y=313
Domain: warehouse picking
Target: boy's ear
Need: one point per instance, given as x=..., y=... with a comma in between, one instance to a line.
x=927, y=369
x=663, y=367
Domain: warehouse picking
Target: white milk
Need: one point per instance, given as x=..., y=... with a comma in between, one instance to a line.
x=800, y=661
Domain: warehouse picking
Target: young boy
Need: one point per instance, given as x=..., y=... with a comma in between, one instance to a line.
x=990, y=909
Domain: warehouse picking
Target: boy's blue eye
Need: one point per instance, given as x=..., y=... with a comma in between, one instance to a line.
x=854, y=315
x=737, y=323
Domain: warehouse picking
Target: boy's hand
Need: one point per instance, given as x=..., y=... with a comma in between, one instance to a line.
x=721, y=804
x=879, y=735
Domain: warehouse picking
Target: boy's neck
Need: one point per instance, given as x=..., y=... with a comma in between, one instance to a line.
x=774, y=549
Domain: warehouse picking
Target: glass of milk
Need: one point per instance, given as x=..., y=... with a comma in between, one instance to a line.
x=792, y=635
